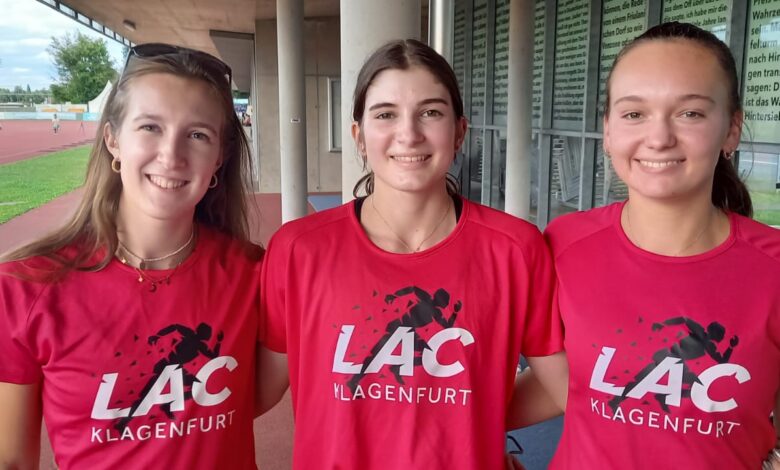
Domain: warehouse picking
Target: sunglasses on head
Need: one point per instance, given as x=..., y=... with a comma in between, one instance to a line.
x=207, y=61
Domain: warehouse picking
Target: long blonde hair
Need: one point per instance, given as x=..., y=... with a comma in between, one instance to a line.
x=92, y=231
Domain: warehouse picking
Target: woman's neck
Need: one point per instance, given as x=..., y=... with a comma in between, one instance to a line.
x=674, y=229
x=154, y=244
x=405, y=222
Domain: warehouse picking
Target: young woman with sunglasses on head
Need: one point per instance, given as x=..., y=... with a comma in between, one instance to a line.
x=671, y=299
x=402, y=315
x=130, y=329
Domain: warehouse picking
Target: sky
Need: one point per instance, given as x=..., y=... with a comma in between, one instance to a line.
x=26, y=29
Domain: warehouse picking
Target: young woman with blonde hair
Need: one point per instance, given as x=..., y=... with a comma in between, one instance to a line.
x=131, y=329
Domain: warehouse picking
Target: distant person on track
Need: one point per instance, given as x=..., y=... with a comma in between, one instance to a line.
x=55, y=123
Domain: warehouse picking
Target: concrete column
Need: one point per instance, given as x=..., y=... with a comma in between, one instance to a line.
x=254, y=127
x=292, y=108
x=518, y=145
x=366, y=25
x=441, y=21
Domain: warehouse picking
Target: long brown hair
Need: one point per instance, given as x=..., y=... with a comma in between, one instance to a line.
x=91, y=234
x=728, y=190
x=402, y=55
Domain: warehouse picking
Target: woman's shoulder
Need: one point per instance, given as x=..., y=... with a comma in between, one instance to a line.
x=760, y=236
x=498, y=221
x=569, y=229
x=223, y=245
x=32, y=269
x=22, y=281
x=596, y=219
x=336, y=218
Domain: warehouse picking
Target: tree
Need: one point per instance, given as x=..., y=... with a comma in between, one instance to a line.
x=16, y=95
x=83, y=66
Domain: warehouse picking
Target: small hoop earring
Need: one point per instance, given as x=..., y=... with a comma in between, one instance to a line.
x=729, y=155
x=214, y=181
x=116, y=165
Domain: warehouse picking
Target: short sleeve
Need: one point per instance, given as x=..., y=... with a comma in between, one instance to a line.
x=18, y=364
x=543, y=331
x=774, y=327
x=273, y=312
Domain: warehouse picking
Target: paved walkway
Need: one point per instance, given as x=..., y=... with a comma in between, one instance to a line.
x=38, y=222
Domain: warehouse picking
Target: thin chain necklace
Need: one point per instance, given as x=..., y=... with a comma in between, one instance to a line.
x=144, y=262
x=411, y=250
x=680, y=252
x=154, y=282
x=145, y=277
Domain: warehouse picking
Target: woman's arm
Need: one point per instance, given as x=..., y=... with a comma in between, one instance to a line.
x=540, y=391
x=20, y=426
x=777, y=416
x=772, y=461
x=272, y=379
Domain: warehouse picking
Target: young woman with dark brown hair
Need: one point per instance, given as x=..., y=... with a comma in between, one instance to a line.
x=402, y=314
x=670, y=300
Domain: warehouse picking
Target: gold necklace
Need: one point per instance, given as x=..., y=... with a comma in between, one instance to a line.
x=154, y=282
x=411, y=250
x=144, y=262
x=145, y=277
x=680, y=252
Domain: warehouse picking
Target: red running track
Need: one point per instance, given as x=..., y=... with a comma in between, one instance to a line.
x=24, y=139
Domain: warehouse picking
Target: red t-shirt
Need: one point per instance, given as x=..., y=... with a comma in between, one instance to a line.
x=674, y=361
x=140, y=379
x=405, y=360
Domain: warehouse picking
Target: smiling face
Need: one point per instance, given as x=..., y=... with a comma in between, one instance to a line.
x=409, y=131
x=169, y=146
x=669, y=117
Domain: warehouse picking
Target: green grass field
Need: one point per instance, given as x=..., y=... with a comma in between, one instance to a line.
x=27, y=184
x=766, y=207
